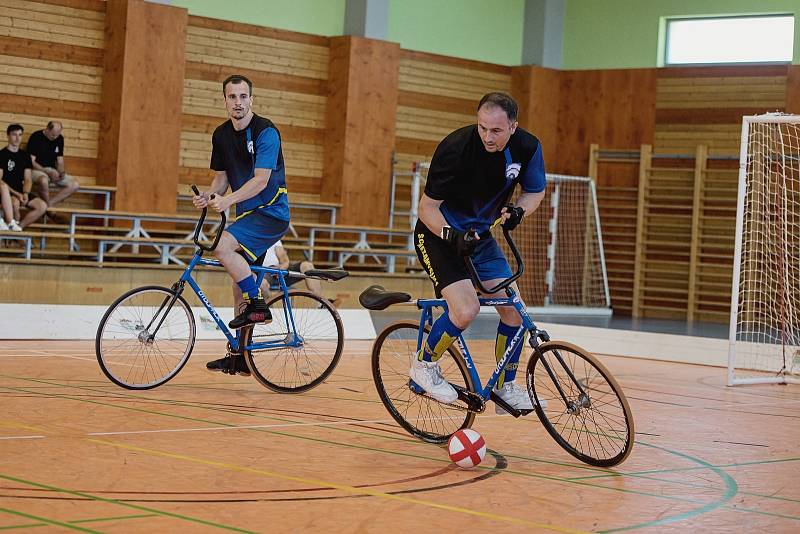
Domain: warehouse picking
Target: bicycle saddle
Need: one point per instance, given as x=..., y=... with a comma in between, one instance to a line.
x=377, y=298
x=327, y=274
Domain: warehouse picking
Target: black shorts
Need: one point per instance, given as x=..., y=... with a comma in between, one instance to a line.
x=444, y=266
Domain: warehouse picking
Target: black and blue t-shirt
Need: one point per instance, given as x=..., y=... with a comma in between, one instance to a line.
x=239, y=153
x=474, y=184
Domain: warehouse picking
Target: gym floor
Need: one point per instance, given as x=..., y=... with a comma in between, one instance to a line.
x=209, y=452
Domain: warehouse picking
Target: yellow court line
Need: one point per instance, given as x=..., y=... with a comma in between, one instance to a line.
x=12, y=424
x=342, y=487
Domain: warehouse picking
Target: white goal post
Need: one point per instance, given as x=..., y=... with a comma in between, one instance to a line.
x=764, y=341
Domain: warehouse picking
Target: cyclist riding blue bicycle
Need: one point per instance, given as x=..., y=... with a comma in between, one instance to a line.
x=247, y=156
x=472, y=176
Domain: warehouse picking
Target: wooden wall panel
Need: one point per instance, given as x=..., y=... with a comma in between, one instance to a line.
x=704, y=106
x=362, y=93
x=793, y=89
x=289, y=72
x=51, y=54
x=53, y=23
x=538, y=92
x=613, y=108
x=140, y=132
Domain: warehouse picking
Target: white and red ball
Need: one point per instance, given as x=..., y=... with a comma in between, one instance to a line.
x=466, y=448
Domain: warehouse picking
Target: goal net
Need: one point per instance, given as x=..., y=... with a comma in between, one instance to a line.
x=765, y=301
x=561, y=245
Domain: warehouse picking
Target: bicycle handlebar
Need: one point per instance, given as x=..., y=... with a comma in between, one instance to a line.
x=197, y=228
x=505, y=283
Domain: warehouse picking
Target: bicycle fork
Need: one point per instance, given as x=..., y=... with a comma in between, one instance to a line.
x=583, y=400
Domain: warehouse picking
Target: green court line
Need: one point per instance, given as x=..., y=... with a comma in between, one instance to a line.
x=77, y=521
x=731, y=488
x=48, y=521
x=703, y=509
x=678, y=469
x=398, y=453
x=112, y=501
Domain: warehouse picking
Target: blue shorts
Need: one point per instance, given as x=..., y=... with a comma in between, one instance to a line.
x=256, y=232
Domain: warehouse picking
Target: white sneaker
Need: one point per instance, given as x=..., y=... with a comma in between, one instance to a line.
x=3, y=225
x=516, y=396
x=13, y=226
x=428, y=376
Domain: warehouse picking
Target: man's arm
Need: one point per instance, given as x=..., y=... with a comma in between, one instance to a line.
x=431, y=215
x=283, y=257
x=27, y=185
x=251, y=188
x=218, y=187
x=60, y=166
x=528, y=202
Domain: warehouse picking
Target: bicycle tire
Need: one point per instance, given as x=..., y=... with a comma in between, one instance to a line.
x=126, y=355
x=392, y=355
x=577, y=427
x=286, y=369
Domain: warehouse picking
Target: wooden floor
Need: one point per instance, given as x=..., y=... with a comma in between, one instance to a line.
x=209, y=453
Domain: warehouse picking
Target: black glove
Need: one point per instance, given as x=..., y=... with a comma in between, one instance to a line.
x=463, y=242
x=516, y=214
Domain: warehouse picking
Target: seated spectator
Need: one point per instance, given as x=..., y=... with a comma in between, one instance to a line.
x=276, y=256
x=15, y=171
x=7, y=221
x=46, y=148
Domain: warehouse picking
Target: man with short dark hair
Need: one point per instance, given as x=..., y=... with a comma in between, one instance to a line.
x=46, y=148
x=246, y=154
x=15, y=171
x=471, y=179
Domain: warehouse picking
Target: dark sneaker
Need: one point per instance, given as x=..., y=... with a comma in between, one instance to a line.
x=230, y=365
x=256, y=311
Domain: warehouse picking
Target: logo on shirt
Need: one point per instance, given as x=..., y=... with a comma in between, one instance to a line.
x=250, y=147
x=512, y=170
x=56, y=150
x=11, y=165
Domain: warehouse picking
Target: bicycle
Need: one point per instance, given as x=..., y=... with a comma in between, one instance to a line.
x=584, y=408
x=147, y=335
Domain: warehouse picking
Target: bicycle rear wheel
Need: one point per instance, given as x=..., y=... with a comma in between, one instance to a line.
x=143, y=341
x=432, y=421
x=595, y=427
x=287, y=369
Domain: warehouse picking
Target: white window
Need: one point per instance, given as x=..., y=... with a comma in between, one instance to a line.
x=762, y=39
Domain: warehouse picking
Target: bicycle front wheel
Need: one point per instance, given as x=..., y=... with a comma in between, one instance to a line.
x=594, y=425
x=423, y=417
x=286, y=368
x=145, y=337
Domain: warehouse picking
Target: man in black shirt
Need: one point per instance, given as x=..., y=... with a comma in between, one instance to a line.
x=472, y=177
x=15, y=171
x=46, y=148
x=247, y=156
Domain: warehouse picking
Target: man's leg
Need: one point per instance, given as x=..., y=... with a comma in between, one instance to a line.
x=41, y=183
x=463, y=307
x=67, y=185
x=255, y=310
x=506, y=386
x=36, y=208
x=314, y=285
x=5, y=202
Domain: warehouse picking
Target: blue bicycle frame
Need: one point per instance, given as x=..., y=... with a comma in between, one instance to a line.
x=427, y=305
x=291, y=339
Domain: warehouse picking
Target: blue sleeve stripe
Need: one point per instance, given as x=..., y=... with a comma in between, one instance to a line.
x=267, y=146
x=534, y=180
